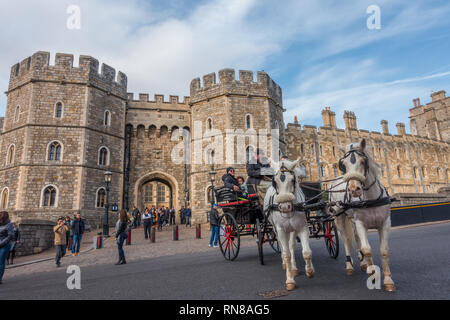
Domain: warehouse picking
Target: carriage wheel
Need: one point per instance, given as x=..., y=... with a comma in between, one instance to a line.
x=260, y=241
x=273, y=241
x=229, y=237
x=331, y=238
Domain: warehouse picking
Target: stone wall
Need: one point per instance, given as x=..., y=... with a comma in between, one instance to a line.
x=36, y=236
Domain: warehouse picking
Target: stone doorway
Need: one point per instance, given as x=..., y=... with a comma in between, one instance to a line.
x=156, y=189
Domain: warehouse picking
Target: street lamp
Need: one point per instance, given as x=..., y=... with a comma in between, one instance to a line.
x=108, y=177
x=212, y=177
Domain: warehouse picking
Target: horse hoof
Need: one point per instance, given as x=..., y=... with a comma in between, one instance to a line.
x=295, y=272
x=290, y=286
x=284, y=266
x=310, y=274
x=349, y=272
x=389, y=287
x=364, y=267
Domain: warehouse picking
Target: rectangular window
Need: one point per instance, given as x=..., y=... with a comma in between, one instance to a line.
x=148, y=193
x=161, y=193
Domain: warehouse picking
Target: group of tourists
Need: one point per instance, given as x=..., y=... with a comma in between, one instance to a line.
x=68, y=236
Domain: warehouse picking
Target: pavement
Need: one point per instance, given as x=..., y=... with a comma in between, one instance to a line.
x=419, y=262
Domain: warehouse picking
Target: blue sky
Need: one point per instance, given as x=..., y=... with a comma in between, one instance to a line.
x=320, y=52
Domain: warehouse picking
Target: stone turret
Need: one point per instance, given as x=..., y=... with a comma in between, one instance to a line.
x=384, y=125
x=329, y=118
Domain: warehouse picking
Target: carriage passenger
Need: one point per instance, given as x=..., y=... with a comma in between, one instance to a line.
x=230, y=181
x=243, y=187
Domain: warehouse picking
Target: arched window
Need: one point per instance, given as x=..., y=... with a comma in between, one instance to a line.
x=10, y=155
x=424, y=172
x=4, y=198
x=17, y=114
x=209, y=124
x=103, y=156
x=312, y=149
x=399, y=172
x=107, y=118
x=322, y=171
x=209, y=194
x=211, y=157
x=320, y=150
x=163, y=130
x=335, y=172
x=151, y=130
x=58, y=110
x=302, y=149
x=248, y=121
x=49, y=197
x=249, y=151
x=438, y=173
x=54, y=151
x=334, y=152
x=101, y=198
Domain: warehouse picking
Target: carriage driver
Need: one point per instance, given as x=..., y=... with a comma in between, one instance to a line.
x=230, y=181
x=260, y=174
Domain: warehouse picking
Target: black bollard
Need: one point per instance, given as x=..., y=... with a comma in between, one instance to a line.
x=152, y=234
x=198, y=231
x=175, y=233
x=129, y=238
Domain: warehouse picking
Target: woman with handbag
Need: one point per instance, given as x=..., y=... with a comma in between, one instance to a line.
x=121, y=234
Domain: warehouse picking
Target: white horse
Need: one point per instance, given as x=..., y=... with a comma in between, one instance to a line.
x=288, y=222
x=360, y=183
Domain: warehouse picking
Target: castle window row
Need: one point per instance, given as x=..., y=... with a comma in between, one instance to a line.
x=55, y=153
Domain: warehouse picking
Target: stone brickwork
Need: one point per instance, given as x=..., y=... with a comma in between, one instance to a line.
x=223, y=105
x=32, y=123
x=36, y=236
x=143, y=136
x=431, y=120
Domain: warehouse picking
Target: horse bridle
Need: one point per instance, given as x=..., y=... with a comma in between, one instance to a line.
x=283, y=177
x=351, y=153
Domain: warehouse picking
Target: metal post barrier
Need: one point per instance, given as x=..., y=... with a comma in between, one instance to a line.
x=98, y=241
x=175, y=233
x=152, y=234
x=198, y=231
x=128, y=238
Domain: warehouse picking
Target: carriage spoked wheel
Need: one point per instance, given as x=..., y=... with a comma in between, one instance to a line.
x=260, y=240
x=229, y=237
x=331, y=238
x=273, y=241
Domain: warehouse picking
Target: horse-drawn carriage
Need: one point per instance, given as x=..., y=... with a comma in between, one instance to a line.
x=245, y=217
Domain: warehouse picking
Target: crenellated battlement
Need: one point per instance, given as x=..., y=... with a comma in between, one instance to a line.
x=158, y=99
x=38, y=68
x=226, y=83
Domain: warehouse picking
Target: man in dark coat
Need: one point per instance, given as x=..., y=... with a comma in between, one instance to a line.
x=230, y=181
x=214, y=220
x=77, y=228
x=260, y=174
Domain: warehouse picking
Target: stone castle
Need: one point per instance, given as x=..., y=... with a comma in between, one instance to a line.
x=65, y=126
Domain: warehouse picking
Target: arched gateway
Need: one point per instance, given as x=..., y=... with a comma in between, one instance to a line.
x=156, y=188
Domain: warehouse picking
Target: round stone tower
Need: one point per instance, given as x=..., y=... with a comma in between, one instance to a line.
x=230, y=119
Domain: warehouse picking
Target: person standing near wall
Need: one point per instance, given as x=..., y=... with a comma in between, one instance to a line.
x=188, y=214
x=77, y=230
x=121, y=235
x=60, y=231
x=14, y=242
x=6, y=234
x=68, y=223
x=214, y=220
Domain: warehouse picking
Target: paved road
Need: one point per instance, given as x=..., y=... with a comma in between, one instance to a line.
x=420, y=264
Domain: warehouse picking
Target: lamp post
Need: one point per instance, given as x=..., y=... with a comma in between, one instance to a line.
x=212, y=177
x=108, y=177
